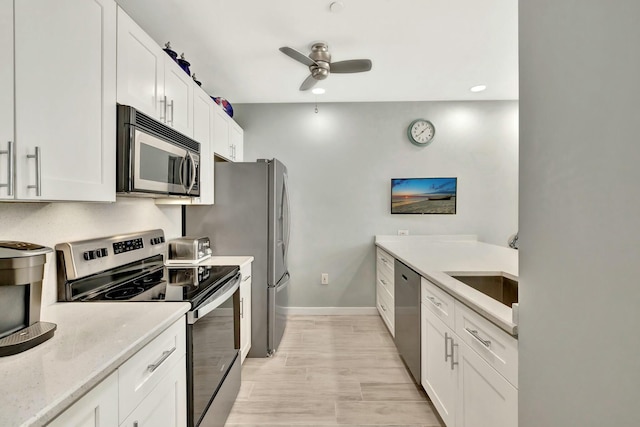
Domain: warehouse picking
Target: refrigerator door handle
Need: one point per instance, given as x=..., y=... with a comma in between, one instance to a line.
x=286, y=194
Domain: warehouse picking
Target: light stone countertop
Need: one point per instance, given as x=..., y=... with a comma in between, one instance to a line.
x=92, y=341
x=228, y=260
x=437, y=257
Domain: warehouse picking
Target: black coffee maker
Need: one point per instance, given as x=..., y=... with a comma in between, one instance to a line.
x=21, y=274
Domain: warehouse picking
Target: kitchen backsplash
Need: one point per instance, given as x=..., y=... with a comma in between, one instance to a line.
x=51, y=223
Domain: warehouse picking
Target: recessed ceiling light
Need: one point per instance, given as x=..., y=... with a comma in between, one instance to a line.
x=478, y=88
x=318, y=91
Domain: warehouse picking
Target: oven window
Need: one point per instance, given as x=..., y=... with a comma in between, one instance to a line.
x=159, y=165
x=214, y=350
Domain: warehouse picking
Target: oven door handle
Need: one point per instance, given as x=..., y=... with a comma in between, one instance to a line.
x=213, y=302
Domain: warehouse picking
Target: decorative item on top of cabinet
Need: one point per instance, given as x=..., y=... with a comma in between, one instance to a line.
x=172, y=53
x=184, y=64
x=224, y=104
x=69, y=154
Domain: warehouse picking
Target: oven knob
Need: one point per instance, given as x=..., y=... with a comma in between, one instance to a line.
x=86, y=256
x=92, y=254
x=104, y=252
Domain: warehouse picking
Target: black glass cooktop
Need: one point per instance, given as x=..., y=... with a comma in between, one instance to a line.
x=150, y=280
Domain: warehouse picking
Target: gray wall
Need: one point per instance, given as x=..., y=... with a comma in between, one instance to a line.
x=579, y=213
x=340, y=164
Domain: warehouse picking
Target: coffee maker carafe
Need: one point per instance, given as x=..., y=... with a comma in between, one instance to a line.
x=21, y=274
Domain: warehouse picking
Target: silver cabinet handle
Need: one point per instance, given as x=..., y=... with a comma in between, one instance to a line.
x=434, y=302
x=383, y=307
x=383, y=260
x=170, y=106
x=163, y=111
x=246, y=278
x=453, y=346
x=476, y=335
x=38, y=157
x=10, y=161
x=384, y=282
x=446, y=353
x=242, y=308
x=165, y=356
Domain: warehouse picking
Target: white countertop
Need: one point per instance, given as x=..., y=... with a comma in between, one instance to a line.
x=228, y=260
x=92, y=341
x=438, y=257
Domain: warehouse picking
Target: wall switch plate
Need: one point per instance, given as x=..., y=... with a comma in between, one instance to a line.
x=403, y=232
x=325, y=278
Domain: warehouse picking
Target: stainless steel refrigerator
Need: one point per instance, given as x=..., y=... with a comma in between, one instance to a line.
x=251, y=216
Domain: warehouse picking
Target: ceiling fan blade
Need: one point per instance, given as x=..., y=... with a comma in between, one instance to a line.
x=308, y=83
x=351, y=66
x=298, y=56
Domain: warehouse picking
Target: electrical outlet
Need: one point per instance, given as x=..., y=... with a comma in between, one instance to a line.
x=403, y=232
x=325, y=278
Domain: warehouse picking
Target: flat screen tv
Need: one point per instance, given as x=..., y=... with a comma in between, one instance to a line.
x=423, y=195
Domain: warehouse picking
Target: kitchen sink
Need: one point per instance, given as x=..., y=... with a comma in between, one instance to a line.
x=499, y=288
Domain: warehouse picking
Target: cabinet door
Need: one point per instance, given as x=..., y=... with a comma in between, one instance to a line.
x=140, y=69
x=202, y=132
x=98, y=408
x=178, y=88
x=221, y=143
x=6, y=100
x=65, y=111
x=485, y=398
x=166, y=404
x=439, y=380
x=236, y=140
x=245, y=313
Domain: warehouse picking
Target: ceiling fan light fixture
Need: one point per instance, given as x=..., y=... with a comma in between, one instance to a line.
x=478, y=88
x=318, y=91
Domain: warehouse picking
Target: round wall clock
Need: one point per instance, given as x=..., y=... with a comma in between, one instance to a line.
x=421, y=132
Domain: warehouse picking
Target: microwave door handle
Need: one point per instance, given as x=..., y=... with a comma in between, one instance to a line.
x=194, y=172
x=181, y=172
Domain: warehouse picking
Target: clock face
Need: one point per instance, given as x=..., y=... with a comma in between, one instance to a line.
x=421, y=132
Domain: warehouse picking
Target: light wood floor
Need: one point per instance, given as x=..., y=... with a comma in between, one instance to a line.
x=332, y=370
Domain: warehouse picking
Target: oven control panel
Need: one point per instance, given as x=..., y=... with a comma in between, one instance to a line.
x=127, y=245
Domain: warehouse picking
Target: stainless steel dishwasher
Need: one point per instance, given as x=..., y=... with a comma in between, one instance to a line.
x=407, y=317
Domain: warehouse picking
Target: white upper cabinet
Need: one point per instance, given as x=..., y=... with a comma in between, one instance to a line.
x=140, y=69
x=7, y=139
x=178, y=90
x=65, y=100
x=228, y=136
x=203, y=133
x=150, y=81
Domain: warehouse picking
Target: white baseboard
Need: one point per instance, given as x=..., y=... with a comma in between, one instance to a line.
x=329, y=311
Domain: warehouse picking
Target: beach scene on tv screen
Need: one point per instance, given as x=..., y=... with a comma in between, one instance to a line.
x=423, y=196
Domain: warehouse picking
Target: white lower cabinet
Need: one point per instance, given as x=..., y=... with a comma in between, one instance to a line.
x=385, y=288
x=165, y=404
x=469, y=386
x=439, y=373
x=148, y=390
x=245, y=311
x=485, y=398
x=98, y=408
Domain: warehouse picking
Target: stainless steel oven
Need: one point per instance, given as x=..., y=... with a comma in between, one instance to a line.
x=129, y=268
x=214, y=365
x=153, y=159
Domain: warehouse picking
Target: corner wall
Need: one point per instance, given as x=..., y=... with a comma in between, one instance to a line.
x=341, y=161
x=579, y=213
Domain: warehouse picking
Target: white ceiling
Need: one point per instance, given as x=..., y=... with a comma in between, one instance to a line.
x=422, y=50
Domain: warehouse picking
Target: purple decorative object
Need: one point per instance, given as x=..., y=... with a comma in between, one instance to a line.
x=184, y=64
x=226, y=105
x=170, y=52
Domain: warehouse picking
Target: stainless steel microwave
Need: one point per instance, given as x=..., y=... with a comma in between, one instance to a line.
x=154, y=160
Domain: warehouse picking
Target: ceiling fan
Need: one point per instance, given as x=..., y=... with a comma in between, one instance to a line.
x=320, y=65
